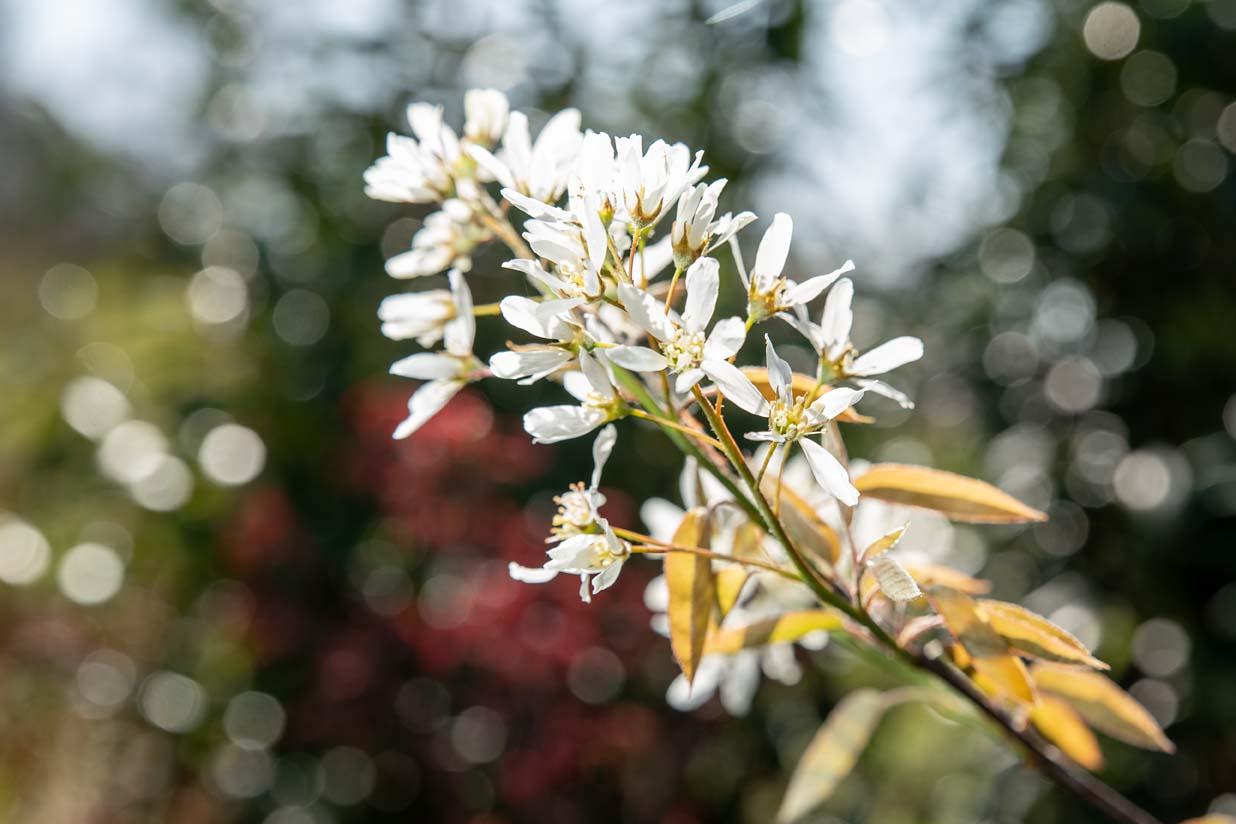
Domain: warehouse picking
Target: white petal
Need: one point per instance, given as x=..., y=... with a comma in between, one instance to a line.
x=601, y=449
x=426, y=366
x=725, y=339
x=736, y=386
x=500, y=171
x=829, y=472
x=419, y=261
x=888, y=356
x=606, y=578
x=780, y=376
x=550, y=424
x=837, y=318
x=883, y=389
x=726, y=227
x=425, y=403
x=656, y=594
x=531, y=575
x=460, y=333
x=536, y=318
x=703, y=283
x=833, y=403
x=531, y=364
x=741, y=681
x=770, y=437
x=534, y=207
x=687, y=379
x=635, y=358
x=645, y=312
x=811, y=288
x=661, y=517
x=596, y=373
x=774, y=249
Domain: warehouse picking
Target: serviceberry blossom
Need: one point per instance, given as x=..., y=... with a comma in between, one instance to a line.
x=585, y=543
x=599, y=403
x=759, y=563
x=446, y=372
x=694, y=232
x=445, y=241
x=768, y=291
x=838, y=357
x=794, y=418
x=566, y=336
x=423, y=316
x=538, y=170
x=646, y=183
x=689, y=351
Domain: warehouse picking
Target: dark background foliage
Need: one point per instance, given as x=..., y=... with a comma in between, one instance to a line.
x=310, y=623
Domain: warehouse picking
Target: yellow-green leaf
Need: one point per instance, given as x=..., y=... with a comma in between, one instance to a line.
x=894, y=581
x=729, y=585
x=832, y=753
x=1104, y=705
x=803, y=384
x=1034, y=636
x=930, y=575
x=996, y=670
x=805, y=527
x=782, y=629
x=958, y=497
x=882, y=544
x=1062, y=726
x=690, y=582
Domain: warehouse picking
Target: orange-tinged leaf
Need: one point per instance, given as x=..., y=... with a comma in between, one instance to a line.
x=882, y=544
x=1213, y=818
x=958, y=497
x=782, y=629
x=802, y=523
x=1033, y=636
x=1005, y=677
x=729, y=585
x=1062, y=726
x=1104, y=705
x=832, y=753
x=690, y=582
x=929, y=575
x=996, y=670
x=802, y=384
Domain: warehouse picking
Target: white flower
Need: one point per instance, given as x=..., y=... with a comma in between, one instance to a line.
x=552, y=321
x=599, y=404
x=690, y=353
x=831, y=341
x=793, y=418
x=768, y=292
x=579, y=507
x=575, y=245
x=647, y=182
x=445, y=241
x=694, y=231
x=421, y=315
x=537, y=170
x=596, y=557
x=446, y=372
x=485, y=115
x=420, y=169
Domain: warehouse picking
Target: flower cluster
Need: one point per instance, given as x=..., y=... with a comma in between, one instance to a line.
x=764, y=556
x=625, y=304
